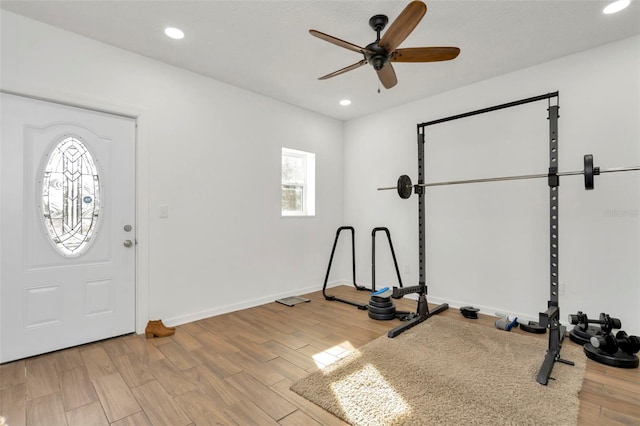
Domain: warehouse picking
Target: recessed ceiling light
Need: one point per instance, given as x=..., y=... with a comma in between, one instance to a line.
x=174, y=33
x=616, y=6
x=345, y=102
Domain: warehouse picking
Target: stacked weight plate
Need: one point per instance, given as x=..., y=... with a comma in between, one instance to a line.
x=380, y=306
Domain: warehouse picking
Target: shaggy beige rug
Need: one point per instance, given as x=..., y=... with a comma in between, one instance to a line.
x=445, y=371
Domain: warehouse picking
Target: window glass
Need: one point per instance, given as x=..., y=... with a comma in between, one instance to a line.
x=298, y=183
x=292, y=168
x=292, y=198
x=70, y=196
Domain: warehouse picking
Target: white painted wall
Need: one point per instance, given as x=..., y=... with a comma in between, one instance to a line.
x=488, y=244
x=211, y=153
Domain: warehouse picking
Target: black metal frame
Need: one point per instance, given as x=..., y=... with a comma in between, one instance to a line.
x=551, y=317
x=422, y=310
x=353, y=268
x=373, y=255
x=490, y=109
x=360, y=306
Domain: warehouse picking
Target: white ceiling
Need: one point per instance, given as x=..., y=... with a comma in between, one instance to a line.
x=264, y=46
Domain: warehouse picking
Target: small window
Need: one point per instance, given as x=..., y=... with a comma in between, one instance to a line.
x=70, y=197
x=298, y=183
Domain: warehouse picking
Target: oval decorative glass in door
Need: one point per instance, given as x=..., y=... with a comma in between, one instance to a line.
x=70, y=196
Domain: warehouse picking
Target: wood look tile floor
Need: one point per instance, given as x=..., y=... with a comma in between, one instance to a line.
x=236, y=369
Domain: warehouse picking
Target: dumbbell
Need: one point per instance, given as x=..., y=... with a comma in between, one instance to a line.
x=610, y=344
x=606, y=322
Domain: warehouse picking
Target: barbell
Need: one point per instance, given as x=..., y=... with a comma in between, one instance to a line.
x=405, y=186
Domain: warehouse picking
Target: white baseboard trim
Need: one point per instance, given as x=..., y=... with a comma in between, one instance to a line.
x=486, y=310
x=453, y=304
x=208, y=313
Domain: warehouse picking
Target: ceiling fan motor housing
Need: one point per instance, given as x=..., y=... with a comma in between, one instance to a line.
x=379, y=56
x=376, y=55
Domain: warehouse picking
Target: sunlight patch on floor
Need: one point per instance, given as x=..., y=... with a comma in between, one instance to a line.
x=334, y=353
x=365, y=396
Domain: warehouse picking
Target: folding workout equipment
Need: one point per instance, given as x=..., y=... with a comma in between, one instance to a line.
x=360, y=306
x=353, y=268
x=373, y=255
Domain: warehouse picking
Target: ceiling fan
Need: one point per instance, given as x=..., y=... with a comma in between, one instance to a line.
x=384, y=50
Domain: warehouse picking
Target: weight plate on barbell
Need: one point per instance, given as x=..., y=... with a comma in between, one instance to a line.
x=588, y=171
x=405, y=186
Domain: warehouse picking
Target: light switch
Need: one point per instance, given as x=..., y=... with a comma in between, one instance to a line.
x=164, y=211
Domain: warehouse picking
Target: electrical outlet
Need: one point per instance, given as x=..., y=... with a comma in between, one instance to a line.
x=406, y=269
x=561, y=288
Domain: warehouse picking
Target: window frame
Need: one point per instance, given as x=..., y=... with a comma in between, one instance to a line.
x=307, y=186
x=43, y=205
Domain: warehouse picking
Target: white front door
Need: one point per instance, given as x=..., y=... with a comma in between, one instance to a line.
x=67, y=226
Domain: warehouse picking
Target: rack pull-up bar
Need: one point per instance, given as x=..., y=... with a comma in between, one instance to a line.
x=490, y=109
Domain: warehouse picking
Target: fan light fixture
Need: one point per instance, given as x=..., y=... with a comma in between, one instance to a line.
x=345, y=102
x=616, y=6
x=384, y=50
x=174, y=33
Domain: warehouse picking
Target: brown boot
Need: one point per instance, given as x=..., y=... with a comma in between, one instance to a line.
x=168, y=328
x=157, y=329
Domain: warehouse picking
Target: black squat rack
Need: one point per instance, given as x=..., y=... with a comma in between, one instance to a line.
x=550, y=317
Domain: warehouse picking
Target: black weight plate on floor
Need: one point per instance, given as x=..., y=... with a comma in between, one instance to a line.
x=581, y=336
x=404, y=186
x=387, y=304
x=381, y=299
x=619, y=359
x=382, y=311
x=533, y=327
x=382, y=317
x=469, y=312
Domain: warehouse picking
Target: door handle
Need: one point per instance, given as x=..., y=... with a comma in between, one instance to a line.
x=128, y=243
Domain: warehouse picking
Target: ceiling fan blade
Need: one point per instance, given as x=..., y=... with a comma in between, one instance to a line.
x=343, y=70
x=400, y=29
x=387, y=76
x=337, y=41
x=424, y=54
